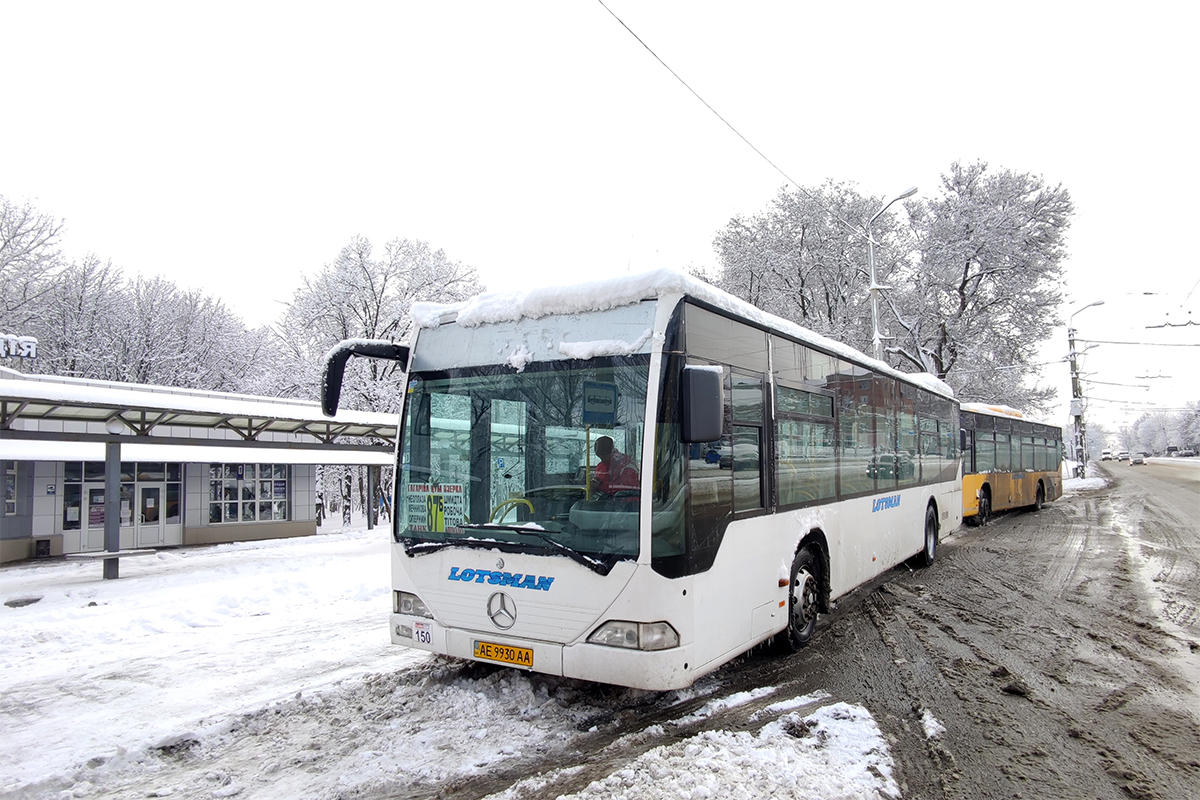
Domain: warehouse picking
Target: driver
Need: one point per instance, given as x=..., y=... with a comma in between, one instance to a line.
x=615, y=472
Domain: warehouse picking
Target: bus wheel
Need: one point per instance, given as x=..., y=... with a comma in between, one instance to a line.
x=929, y=552
x=985, y=508
x=1040, y=498
x=803, y=599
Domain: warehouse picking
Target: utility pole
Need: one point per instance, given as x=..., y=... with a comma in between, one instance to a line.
x=1079, y=448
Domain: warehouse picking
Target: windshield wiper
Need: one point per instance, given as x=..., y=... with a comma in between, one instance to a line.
x=593, y=564
x=461, y=541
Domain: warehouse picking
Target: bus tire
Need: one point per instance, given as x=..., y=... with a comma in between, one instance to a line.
x=1039, y=499
x=804, y=598
x=929, y=551
x=985, y=508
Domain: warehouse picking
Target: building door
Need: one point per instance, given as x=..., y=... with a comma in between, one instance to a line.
x=92, y=523
x=149, y=522
x=93, y=519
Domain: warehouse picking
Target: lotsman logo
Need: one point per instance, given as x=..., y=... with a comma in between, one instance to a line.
x=884, y=503
x=496, y=578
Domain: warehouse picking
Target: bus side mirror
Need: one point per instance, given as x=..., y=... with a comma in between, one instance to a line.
x=701, y=399
x=962, y=440
x=335, y=365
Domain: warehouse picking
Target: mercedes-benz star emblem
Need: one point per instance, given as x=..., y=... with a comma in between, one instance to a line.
x=502, y=611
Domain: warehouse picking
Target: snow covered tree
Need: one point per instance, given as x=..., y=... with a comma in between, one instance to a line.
x=160, y=334
x=77, y=315
x=1191, y=427
x=974, y=274
x=985, y=287
x=1098, y=437
x=1154, y=431
x=359, y=296
x=29, y=256
x=92, y=323
x=805, y=260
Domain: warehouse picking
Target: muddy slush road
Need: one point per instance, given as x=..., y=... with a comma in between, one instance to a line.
x=1059, y=649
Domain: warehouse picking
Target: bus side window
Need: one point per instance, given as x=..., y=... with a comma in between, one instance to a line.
x=747, y=450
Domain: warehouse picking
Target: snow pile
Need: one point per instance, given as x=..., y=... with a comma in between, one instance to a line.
x=838, y=751
x=933, y=729
x=1076, y=485
x=790, y=705
x=603, y=347
x=520, y=358
x=538, y=302
x=725, y=703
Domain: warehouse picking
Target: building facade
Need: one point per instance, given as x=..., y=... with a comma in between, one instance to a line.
x=194, y=467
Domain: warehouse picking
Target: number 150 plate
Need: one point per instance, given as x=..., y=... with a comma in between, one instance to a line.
x=520, y=656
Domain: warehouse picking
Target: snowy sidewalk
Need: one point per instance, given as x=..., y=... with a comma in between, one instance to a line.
x=264, y=670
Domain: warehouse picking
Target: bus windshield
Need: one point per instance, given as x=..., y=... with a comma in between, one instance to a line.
x=541, y=460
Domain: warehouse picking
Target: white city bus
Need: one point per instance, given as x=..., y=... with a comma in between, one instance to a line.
x=766, y=472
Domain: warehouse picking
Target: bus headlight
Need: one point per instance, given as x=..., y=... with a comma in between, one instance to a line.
x=407, y=603
x=635, y=635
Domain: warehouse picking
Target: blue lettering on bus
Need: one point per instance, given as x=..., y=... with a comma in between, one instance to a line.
x=514, y=579
x=884, y=503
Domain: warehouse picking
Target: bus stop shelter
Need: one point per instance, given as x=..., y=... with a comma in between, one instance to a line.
x=52, y=419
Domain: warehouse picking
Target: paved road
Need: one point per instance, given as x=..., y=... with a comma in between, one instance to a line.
x=1059, y=649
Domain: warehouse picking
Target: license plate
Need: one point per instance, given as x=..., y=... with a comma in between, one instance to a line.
x=519, y=656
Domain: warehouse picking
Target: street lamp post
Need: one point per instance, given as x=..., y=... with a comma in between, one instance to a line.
x=1080, y=447
x=875, y=287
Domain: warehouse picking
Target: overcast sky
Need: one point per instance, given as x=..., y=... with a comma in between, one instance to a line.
x=238, y=146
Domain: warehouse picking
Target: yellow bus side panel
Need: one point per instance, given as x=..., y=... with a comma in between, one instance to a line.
x=1009, y=490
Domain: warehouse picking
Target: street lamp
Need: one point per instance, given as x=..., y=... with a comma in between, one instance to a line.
x=1080, y=449
x=875, y=287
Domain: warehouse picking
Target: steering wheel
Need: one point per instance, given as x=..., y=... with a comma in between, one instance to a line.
x=508, y=504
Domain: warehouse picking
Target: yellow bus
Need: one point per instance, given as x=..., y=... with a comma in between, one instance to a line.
x=1008, y=461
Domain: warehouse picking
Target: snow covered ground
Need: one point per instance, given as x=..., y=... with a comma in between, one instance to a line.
x=1093, y=479
x=264, y=670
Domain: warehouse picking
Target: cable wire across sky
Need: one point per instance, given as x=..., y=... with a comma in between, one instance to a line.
x=729, y=125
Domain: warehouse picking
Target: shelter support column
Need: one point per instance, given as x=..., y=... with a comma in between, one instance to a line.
x=372, y=499
x=112, y=507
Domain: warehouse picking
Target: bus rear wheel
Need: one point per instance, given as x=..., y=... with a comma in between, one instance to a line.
x=985, y=508
x=1040, y=498
x=803, y=599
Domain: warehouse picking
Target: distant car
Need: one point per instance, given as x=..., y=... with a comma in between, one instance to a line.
x=1123, y=455
x=891, y=466
x=1187, y=453
x=1137, y=458
x=746, y=456
x=1106, y=455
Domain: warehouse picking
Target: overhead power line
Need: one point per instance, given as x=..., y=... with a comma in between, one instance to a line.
x=729, y=124
x=1139, y=344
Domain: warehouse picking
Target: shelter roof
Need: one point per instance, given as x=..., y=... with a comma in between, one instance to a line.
x=34, y=406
